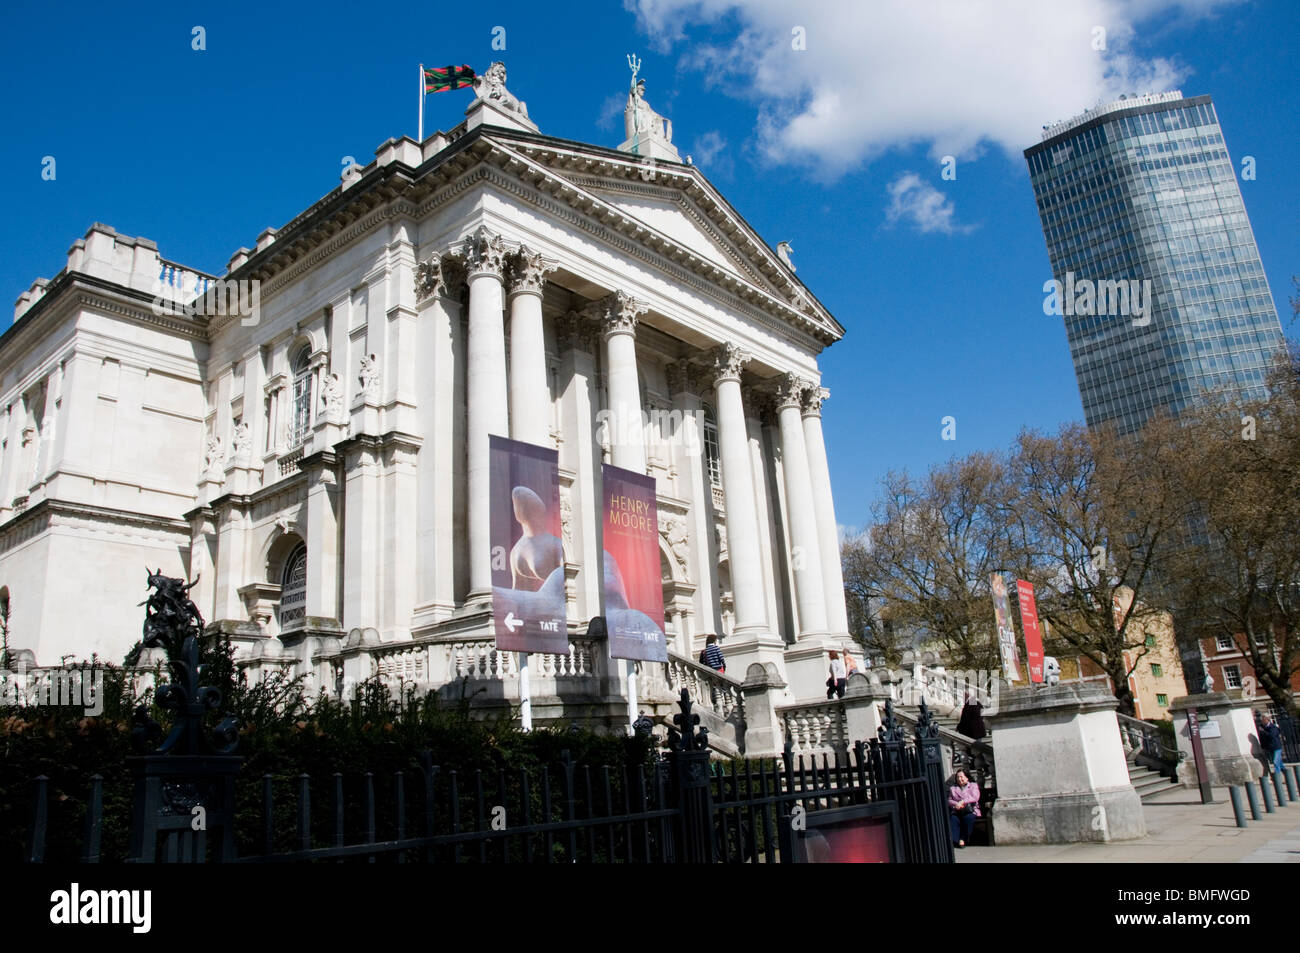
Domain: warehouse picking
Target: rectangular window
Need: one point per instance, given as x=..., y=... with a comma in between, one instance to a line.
x=1156, y=670
x=1232, y=676
x=1225, y=644
x=1151, y=641
x=1162, y=701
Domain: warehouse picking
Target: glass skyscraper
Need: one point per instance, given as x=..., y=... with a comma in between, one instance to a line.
x=1142, y=190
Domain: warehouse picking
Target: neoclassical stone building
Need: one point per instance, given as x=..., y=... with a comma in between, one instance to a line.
x=317, y=455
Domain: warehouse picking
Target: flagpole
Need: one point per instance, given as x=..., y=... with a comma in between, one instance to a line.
x=421, y=127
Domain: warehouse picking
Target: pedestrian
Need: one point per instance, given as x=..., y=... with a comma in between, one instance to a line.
x=850, y=666
x=971, y=723
x=963, y=808
x=711, y=655
x=839, y=677
x=1270, y=739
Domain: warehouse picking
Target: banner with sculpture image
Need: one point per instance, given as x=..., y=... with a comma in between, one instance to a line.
x=1006, y=628
x=634, y=594
x=527, y=551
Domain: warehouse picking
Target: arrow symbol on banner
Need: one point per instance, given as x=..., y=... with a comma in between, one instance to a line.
x=511, y=622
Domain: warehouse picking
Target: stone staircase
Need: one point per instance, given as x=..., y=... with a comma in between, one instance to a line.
x=1146, y=782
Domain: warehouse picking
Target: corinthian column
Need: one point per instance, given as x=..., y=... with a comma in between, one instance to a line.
x=837, y=616
x=618, y=314
x=530, y=398
x=486, y=399
x=805, y=548
x=738, y=487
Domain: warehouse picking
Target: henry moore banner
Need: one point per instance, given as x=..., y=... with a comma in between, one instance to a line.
x=634, y=595
x=527, y=551
x=1006, y=628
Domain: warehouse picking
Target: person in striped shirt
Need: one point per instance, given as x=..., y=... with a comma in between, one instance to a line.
x=712, y=655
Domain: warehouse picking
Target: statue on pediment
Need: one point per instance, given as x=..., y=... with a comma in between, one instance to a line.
x=640, y=122
x=492, y=87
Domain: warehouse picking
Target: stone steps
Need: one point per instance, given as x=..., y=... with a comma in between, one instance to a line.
x=1146, y=782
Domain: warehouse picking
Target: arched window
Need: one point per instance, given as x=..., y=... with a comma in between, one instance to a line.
x=300, y=413
x=293, y=588
x=712, y=459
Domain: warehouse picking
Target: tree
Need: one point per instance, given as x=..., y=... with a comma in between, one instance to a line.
x=1092, y=510
x=921, y=572
x=1236, y=570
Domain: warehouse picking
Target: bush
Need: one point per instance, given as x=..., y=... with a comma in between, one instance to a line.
x=282, y=734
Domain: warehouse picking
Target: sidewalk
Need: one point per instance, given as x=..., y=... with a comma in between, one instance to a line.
x=1180, y=829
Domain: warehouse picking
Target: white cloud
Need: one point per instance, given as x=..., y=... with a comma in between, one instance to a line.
x=709, y=151
x=914, y=201
x=610, y=110
x=950, y=74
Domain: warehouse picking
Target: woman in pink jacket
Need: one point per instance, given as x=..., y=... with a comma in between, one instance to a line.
x=963, y=807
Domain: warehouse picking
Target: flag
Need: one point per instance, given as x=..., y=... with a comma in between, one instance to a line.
x=441, y=78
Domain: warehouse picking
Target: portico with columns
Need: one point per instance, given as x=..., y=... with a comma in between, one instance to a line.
x=493, y=280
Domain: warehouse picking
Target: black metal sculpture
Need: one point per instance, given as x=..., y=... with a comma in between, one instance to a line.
x=173, y=623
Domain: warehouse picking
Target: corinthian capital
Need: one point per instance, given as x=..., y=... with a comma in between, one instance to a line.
x=527, y=271
x=728, y=361
x=485, y=254
x=617, y=313
x=790, y=390
x=575, y=330
x=437, y=276
x=812, y=400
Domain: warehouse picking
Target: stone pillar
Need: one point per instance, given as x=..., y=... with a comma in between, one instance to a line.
x=362, y=534
x=530, y=397
x=486, y=397
x=579, y=453
x=618, y=314
x=828, y=536
x=751, y=639
x=684, y=381
x=763, y=689
x=862, y=698
x=1062, y=777
x=1229, y=757
x=805, y=550
x=438, y=283
x=322, y=538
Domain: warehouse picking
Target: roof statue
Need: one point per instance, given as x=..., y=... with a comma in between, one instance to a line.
x=648, y=133
x=495, y=105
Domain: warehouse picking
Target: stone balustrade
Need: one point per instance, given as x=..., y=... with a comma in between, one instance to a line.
x=710, y=689
x=817, y=728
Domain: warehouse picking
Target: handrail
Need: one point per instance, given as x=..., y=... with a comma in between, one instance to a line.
x=1149, y=740
x=973, y=755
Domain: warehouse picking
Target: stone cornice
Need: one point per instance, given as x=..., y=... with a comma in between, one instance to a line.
x=49, y=513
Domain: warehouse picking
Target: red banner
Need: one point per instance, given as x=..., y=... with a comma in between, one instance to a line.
x=527, y=550
x=1033, y=636
x=634, y=594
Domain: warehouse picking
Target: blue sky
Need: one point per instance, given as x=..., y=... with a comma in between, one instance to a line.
x=831, y=139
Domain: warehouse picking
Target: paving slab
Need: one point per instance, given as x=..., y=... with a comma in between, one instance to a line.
x=1180, y=829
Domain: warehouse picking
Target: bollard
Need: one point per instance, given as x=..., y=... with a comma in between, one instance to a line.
x=1277, y=786
x=1253, y=798
x=1268, y=798
x=1293, y=771
x=1234, y=793
x=1288, y=775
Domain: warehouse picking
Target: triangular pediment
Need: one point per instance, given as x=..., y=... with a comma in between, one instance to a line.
x=674, y=207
